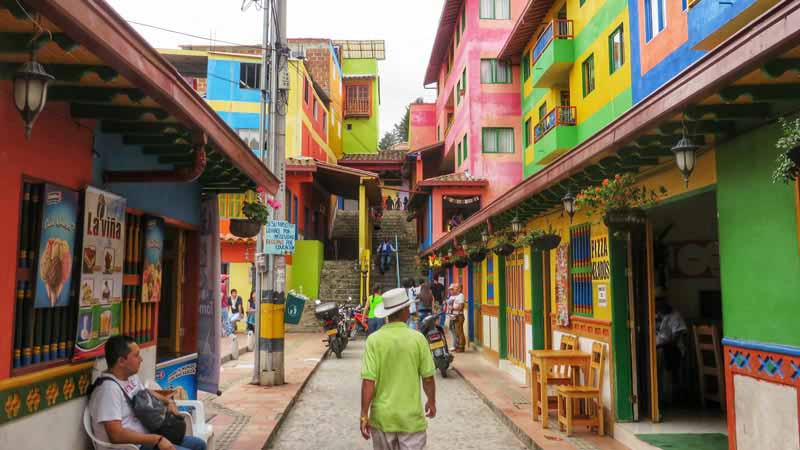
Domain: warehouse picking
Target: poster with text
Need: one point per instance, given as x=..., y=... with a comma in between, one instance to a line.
x=56, y=247
x=209, y=326
x=153, y=253
x=100, y=291
x=179, y=375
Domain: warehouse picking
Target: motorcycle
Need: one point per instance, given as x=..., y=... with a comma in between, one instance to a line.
x=437, y=341
x=334, y=324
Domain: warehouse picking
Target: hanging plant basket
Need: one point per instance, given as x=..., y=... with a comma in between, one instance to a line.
x=478, y=256
x=503, y=249
x=245, y=228
x=461, y=262
x=624, y=219
x=794, y=156
x=546, y=242
x=447, y=264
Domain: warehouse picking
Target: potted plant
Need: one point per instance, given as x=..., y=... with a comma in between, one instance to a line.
x=477, y=254
x=620, y=201
x=461, y=261
x=423, y=265
x=788, y=162
x=527, y=239
x=547, y=240
x=257, y=215
x=447, y=262
x=502, y=245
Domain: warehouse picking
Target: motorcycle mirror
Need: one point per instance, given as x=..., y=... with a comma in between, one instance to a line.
x=317, y=301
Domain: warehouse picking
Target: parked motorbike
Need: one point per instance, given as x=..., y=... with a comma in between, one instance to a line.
x=437, y=341
x=333, y=322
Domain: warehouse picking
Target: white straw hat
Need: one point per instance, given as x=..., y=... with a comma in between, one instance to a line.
x=393, y=300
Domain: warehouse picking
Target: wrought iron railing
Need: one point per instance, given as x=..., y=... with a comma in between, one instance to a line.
x=560, y=115
x=557, y=29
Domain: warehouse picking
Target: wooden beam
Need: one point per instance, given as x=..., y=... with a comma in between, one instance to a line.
x=24, y=42
x=144, y=128
x=730, y=111
x=762, y=92
x=63, y=72
x=778, y=67
x=90, y=94
x=114, y=112
x=169, y=140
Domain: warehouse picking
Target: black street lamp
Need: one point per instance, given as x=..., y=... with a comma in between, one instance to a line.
x=485, y=237
x=516, y=225
x=569, y=204
x=30, y=91
x=685, y=152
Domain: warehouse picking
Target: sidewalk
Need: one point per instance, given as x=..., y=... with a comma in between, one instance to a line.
x=511, y=402
x=245, y=416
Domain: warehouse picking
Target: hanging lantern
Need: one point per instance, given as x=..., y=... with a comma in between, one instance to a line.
x=516, y=225
x=685, y=152
x=569, y=204
x=485, y=237
x=464, y=245
x=30, y=92
x=450, y=253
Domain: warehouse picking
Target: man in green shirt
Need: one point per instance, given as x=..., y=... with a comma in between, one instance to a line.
x=396, y=361
x=374, y=323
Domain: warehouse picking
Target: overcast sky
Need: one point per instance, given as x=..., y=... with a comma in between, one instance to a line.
x=408, y=27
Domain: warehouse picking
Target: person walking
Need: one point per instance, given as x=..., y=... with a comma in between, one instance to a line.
x=405, y=203
x=389, y=203
x=425, y=298
x=455, y=306
x=251, y=313
x=412, y=290
x=385, y=251
x=437, y=288
x=225, y=306
x=396, y=362
x=374, y=323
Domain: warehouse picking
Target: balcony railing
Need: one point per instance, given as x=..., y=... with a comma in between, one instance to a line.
x=557, y=29
x=560, y=115
x=357, y=107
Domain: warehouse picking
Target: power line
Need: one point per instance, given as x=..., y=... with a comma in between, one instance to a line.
x=195, y=36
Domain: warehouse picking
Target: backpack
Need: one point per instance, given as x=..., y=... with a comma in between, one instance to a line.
x=151, y=412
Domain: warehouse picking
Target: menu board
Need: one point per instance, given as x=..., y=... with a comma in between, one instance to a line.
x=102, y=256
x=153, y=252
x=56, y=247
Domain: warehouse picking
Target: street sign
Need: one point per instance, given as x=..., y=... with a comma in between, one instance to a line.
x=280, y=237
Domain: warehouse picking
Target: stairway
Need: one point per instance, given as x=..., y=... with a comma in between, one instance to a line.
x=395, y=223
x=338, y=281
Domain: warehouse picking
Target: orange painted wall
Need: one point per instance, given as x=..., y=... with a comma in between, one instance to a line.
x=674, y=34
x=59, y=152
x=422, y=125
x=437, y=195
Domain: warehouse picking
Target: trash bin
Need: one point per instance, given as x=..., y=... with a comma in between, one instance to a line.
x=295, y=303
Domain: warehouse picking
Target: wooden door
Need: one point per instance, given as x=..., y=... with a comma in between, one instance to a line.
x=477, y=295
x=515, y=307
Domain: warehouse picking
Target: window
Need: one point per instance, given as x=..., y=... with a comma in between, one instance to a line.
x=542, y=110
x=289, y=205
x=305, y=90
x=496, y=9
x=324, y=121
x=249, y=75
x=458, y=155
x=581, y=269
x=587, y=74
x=684, y=5
x=464, y=19
x=464, y=147
x=526, y=67
x=315, y=108
x=494, y=71
x=655, y=17
x=458, y=34
x=616, y=50
x=357, y=100
x=580, y=3
x=464, y=80
x=498, y=140
x=526, y=132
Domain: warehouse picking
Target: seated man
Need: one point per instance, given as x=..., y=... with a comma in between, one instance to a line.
x=112, y=418
x=671, y=348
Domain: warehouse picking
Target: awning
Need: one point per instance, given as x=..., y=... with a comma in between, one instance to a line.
x=384, y=160
x=338, y=180
x=525, y=29
x=107, y=72
x=460, y=179
x=443, y=40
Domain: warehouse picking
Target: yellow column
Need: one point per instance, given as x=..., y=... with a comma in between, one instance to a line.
x=364, y=237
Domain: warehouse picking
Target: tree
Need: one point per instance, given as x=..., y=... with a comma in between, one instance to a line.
x=388, y=140
x=401, y=128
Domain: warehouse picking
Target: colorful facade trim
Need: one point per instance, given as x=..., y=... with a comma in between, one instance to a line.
x=27, y=395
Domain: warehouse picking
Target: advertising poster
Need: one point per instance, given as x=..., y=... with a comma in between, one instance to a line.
x=209, y=326
x=153, y=252
x=56, y=247
x=179, y=375
x=102, y=255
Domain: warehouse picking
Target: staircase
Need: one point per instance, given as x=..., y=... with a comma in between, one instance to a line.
x=394, y=223
x=339, y=280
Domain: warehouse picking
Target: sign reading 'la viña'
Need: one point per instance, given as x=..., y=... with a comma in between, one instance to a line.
x=279, y=237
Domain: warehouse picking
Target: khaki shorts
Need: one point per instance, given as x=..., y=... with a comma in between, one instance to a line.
x=398, y=441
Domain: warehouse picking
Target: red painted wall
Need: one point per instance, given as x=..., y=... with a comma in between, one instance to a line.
x=423, y=125
x=60, y=152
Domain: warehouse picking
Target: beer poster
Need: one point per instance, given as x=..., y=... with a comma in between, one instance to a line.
x=102, y=257
x=56, y=247
x=153, y=251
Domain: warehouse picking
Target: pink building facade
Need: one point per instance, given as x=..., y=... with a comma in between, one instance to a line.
x=422, y=125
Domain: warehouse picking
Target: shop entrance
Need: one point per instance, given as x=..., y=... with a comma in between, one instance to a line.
x=676, y=308
x=170, y=308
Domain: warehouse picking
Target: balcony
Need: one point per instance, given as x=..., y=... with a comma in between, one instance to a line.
x=555, y=134
x=553, y=54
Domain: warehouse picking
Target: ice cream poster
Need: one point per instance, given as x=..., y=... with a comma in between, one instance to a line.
x=102, y=254
x=153, y=251
x=56, y=247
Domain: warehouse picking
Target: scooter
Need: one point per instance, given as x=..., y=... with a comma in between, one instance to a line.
x=437, y=341
x=328, y=313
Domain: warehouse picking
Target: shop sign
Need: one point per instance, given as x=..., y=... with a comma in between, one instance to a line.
x=56, y=247
x=100, y=292
x=279, y=237
x=179, y=375
x=153, y=253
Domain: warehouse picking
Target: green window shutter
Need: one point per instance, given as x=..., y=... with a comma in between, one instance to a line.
x=464, y=19
x=464, y=147
x=458, y=155
x=616, y=49
x=464, y=80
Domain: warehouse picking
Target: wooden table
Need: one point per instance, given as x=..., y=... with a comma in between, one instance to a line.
x=541, y=363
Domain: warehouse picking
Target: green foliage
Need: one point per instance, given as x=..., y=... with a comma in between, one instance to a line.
x=618, y=193
x=256, y=211
x=501, y=239
x=527, y=239
x=785, y=170
x=388, y=140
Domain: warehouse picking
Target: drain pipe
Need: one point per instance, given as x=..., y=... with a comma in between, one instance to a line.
x=181, y=175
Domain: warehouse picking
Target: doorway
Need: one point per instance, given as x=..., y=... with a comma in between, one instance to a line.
x=170, y=308
x=515, y=307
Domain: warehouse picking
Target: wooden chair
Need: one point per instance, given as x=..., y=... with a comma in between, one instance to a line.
x=591, y=395
x=561, y=375
x=709, y=364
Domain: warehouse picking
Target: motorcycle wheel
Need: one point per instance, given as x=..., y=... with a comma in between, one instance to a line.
x=443, y=371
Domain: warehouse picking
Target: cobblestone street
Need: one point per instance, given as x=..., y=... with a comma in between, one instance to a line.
x=326, y=413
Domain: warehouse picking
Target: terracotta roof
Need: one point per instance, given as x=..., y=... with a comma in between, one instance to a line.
x=231, y=239
x=300, y=161
x=459, y=179
x=383, y=155
x=447, y=24
x=528, y=23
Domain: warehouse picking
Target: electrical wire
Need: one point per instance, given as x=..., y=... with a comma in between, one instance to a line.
x=196, y=36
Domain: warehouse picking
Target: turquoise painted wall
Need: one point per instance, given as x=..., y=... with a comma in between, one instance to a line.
x=363, y=135
x=306, y=268
x=759, y=259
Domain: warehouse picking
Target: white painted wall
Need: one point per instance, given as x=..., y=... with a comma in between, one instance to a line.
x=528, y=344
x=61, y=427
x=766, y=415
x=494, y=326
x=487, y=332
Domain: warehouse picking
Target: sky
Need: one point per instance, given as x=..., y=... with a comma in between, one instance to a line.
x=407, y=26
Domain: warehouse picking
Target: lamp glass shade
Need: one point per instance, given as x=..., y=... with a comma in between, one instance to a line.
x=30, y=92
x=516, y=225
x=685, y=152
x=569, y=203
x=485, y=237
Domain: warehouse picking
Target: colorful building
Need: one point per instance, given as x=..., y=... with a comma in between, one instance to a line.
x=721, y=250
x=361, y=93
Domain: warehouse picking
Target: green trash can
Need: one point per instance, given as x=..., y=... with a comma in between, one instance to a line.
x=295, y=303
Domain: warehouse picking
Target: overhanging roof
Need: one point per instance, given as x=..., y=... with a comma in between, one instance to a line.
x=447, y=24
x=459, y=179
x=525, y=29
x=338, y=180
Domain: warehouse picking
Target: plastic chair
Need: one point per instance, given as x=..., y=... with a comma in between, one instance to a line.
x=197, y=416
x=97, y=443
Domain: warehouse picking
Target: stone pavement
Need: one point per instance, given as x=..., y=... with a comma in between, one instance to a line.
x=326, y=413
x=511, y=402
x=246, y=416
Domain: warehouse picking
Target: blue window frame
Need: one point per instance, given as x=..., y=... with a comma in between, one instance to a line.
x=655, y=15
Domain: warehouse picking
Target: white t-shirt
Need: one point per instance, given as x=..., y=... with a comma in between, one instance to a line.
x=456, y=303
x=108, y=403
x=412, y=296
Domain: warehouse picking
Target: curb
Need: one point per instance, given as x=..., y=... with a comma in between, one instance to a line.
x=282, y=416
x=521, y=435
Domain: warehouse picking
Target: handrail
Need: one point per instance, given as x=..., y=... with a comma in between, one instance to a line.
x=560, y=115
x=397, y=259
x=556, y=29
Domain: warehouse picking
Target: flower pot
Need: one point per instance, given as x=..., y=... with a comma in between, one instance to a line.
x=478, y=256
x=503, y=250
x=447, y=264
x=461, y=263
x=624, y=219
x=546, y=242
x=245, y=228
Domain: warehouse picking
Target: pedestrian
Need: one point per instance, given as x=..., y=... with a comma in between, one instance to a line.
x=396, y=362
x=437, y=288
x=389, y=203
x=385, y=251
x=225, y=307
x=455, y=310
x=405, y=203
x=237, y=309
x=425, y=299
x=251, y=313
x=374, y=323
x=412, y=290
